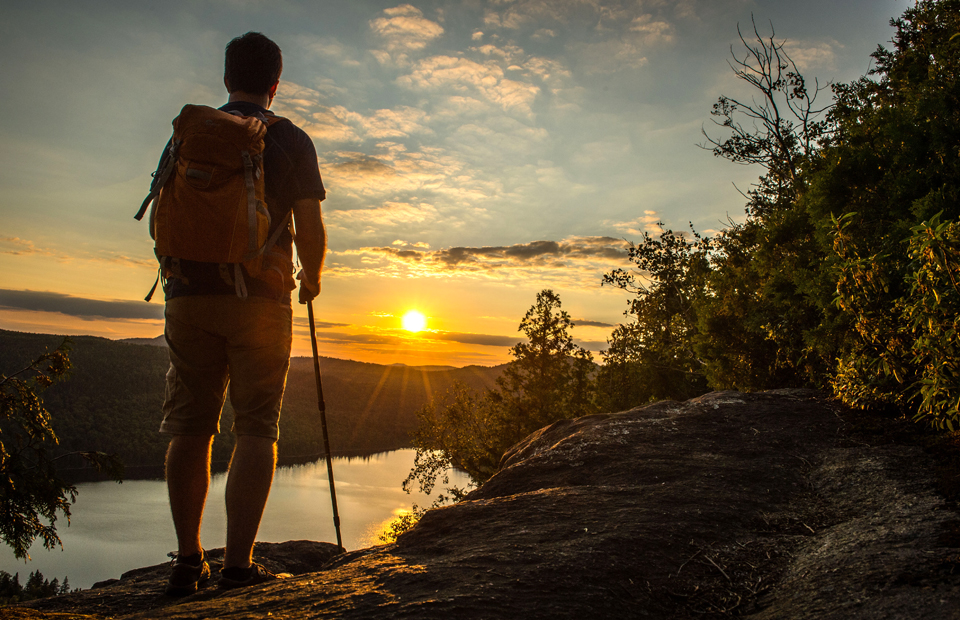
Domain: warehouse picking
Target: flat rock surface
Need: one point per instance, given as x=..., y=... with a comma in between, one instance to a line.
x=763, y=505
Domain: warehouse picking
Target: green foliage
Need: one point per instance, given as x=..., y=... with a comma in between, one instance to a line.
x=891, y=178
x=908, y=350
x=462, y=431
x=761, y=321
x=750, y=308
x=32, y=495
x=652, y=357
x=932, y=312
x=842, y=274
x=549, y=379
x=30, y=491
x=401, y=524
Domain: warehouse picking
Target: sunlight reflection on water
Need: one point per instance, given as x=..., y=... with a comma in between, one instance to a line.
x=116, y=528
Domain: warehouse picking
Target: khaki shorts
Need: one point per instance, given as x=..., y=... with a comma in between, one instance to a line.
x=216, y=340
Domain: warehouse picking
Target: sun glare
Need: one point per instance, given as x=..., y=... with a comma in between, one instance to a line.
x=414, y=321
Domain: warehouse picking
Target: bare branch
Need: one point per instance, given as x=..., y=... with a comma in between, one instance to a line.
x=783, y=121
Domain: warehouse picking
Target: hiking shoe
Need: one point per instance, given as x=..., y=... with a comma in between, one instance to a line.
x=242, y=577
x=185, y=576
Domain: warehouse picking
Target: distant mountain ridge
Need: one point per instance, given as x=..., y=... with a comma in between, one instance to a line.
x=158, y=341
x=112, y=400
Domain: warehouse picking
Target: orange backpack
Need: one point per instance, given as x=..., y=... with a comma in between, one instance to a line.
x=207, y=195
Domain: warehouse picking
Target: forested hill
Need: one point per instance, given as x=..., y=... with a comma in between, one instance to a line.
x=112, y=400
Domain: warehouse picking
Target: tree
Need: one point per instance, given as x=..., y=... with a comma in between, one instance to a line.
x=888, y=187
x=549, y=379
x=746, y=309
x=31, y=492
x=783, y=128
x=652, y=357
x=838, y=277
x=769, y=320
x=10, y=589
x=37, y=587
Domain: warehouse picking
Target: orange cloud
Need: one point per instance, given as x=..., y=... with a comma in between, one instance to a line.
x=574, y=261
x=405, y=28
x=648, y=222
x=462, y=76
x=16, y=246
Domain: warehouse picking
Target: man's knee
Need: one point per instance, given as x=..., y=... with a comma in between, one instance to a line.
x=189, y=445
x=255, y=443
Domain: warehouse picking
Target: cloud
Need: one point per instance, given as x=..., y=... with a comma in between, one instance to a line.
x=506, y=52
x=380, y=339
x=22, y=247
x=339, y=124
x=391, y=213
x=522, y=253
x=395, y=173
x=404, y=28
x=305, y=323
x=574, y=261
x=589, y=323
x=331, y=49
x=545, y=68
x=15, y=246
x=454, y=75
x=610, y=56
x=591, y=345
x=648, y=222
x=544, y=33
x=530, y=14
x=488, y=340
x=359, y=339
x=813, y=55
x=360, y=165
x=653, y=31
x=480, y=339
x=87, y=309
x=397, y=122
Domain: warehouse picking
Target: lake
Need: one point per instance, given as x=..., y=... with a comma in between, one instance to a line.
x=119, y=527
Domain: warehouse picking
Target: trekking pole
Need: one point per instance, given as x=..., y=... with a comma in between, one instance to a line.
x=323, y=423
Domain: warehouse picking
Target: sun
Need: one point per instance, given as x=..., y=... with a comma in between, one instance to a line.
x=414, y=321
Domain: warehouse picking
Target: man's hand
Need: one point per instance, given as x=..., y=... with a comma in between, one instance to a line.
x=311, y=240
x=307, y=292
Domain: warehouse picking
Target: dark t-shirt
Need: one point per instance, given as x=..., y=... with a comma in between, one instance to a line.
x=290, y=174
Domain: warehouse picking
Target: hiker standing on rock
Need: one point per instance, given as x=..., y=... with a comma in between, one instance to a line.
x=222, y=200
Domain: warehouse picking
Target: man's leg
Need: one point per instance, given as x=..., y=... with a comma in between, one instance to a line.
x=259, y=356
x=188, y=479
x=248, y=485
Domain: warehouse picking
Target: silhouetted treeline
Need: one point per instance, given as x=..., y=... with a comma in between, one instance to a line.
x=112, y=400
x=37, y=586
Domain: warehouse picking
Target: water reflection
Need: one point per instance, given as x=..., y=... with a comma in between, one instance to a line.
x=116, y=528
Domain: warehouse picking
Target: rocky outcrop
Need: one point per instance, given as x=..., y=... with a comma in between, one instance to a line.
x=760, y=505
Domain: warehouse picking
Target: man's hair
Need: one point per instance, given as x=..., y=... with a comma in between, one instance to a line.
x=253, y=64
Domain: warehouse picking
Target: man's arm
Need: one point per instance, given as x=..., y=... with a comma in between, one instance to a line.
x=311, y=240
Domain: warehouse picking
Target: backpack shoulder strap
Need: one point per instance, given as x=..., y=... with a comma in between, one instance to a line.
x=167, y=163
x=271, y=119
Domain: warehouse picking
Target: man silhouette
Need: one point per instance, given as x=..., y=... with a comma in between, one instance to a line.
x=217, y=338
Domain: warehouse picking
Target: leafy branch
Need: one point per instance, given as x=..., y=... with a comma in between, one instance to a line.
x=32, y=495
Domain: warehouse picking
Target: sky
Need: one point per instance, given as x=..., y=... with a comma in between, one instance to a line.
x=474, y=152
